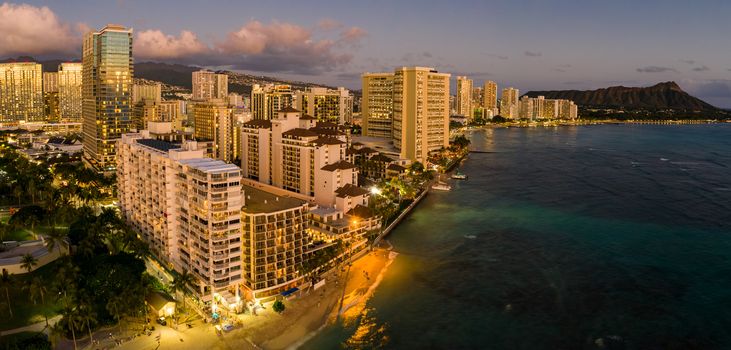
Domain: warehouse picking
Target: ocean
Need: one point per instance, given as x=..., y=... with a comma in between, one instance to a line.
x=588, y=237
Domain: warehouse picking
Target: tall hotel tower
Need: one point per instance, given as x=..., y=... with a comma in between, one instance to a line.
x=106, y=92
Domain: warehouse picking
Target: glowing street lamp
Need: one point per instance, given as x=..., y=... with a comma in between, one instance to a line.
x=375, y=190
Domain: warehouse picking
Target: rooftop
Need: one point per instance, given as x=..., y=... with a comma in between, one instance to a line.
x=159, y=145
x=258, y=123
x=361, y=211
x=381, y=158
x=350, y=190
x=299, y=132
x=210, y=165
x=339, y=165
x=257, y=201
x=289, y=109
x=327, y=141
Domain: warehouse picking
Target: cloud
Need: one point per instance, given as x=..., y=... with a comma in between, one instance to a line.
x=688, y=61
x=655, y=69
x=329, y=24
x=283, y=47
x=559, y=70
x=702, y=68
x=155, y=45
x=416, y=58
x=352, y=36
x=533, y=54
x=266, y=47
x=31, y=30
x=500, y=57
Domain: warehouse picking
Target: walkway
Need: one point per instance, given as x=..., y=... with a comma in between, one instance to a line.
x=36, y=327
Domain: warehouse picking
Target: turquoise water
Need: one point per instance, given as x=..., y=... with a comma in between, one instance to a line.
x=596, y=237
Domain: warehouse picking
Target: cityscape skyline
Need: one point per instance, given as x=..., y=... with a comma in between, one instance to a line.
x=558, y=46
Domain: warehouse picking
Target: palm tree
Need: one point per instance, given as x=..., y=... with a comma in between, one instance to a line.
x=36, y=288
x=7, y=281
x=72, y=320
x=28, y=262
x=181, y=282
x=114, y=306
x=56, y=238
x=88, y=316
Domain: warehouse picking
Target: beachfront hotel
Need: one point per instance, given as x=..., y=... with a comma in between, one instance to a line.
x=377, y=104
x=489, y=99
x=274, y=242
x=327, y=105
x=509, y=103
x=413, y=104
x=269, y=99
x=298, y=154
x=21, y=93
x=464, y=97
x=241, y=242
x=106, y=91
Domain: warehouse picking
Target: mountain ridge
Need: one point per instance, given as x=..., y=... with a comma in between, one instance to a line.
x=662, y=96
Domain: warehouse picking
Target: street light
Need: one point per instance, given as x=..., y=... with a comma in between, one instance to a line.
x=375, y=190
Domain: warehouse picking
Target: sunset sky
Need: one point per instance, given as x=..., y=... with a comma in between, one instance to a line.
x=531, y=45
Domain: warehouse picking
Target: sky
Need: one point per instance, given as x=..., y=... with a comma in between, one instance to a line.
x=531, y=45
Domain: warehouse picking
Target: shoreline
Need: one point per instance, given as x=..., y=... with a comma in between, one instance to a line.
x=585, y=122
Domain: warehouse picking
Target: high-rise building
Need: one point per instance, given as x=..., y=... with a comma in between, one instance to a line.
x=377, y=104
x=267, y=100
x=152, y=92
x=326, y=105
x=489, y=100
x=509, y=103
x=420, y=112
x=274, y=242
x=185, y=206
x=50, y=96
x=69, y=91
x=209, y=85
x=21, y=93
x=106, y=90
x=464, y=96
x=297, y=154
x=146, y=100
x=171, y=111
x=213, y=121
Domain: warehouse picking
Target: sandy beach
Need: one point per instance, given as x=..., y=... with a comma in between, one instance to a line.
x=344, y=295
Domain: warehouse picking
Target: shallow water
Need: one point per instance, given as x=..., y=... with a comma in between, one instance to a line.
x=611, y=236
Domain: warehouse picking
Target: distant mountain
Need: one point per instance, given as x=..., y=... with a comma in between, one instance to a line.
x=663, y=96
x=171, y=74
x=178, y=75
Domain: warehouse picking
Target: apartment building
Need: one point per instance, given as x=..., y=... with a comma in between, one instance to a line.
x=213, y=121
x=464, y=96
x=269, y=99
x=328, y=105
x=185, y=206
x=377, y=104
x=209, y=85
x=21, y=93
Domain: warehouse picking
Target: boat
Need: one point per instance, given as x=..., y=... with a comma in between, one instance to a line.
x=459, y=175
x=441, y=186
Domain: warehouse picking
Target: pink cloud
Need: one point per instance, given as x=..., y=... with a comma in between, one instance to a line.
x=154, y=44
x=31, y=30
x=329, y=24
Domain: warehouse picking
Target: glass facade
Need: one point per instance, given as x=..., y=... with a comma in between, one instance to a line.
x=106, y=89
